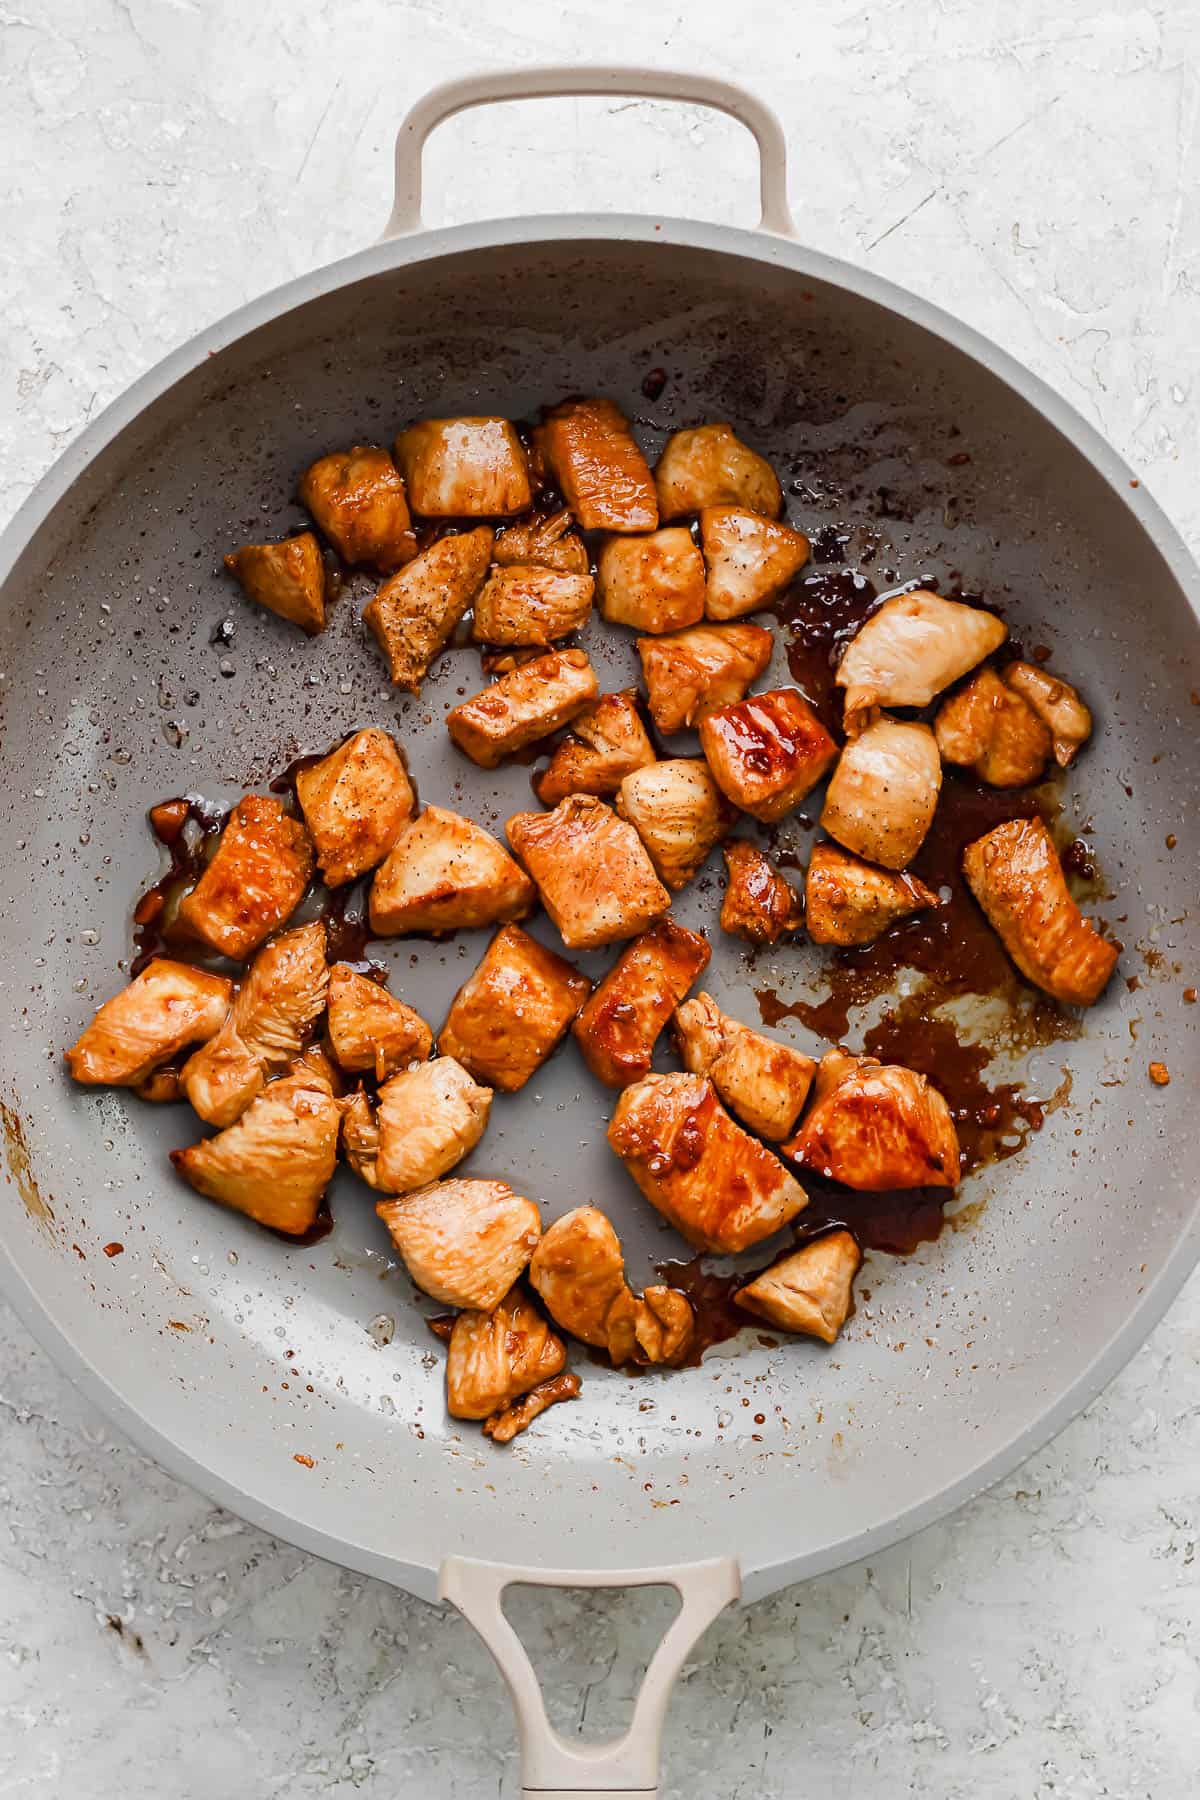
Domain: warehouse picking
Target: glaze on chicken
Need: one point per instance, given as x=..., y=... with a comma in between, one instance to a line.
x=767, y=752
x=532, y=701
x=912, y=648
x=357, y=499
x=514, y=1011
x=607, y=741
x=591, y=870
x=1015, y=874
x=848, y=901
x=446, y=873
x=589, y=450
x=749, y=560
x=760, y=905
x=621, y=1023
x=413, y=615
x=691, y=673
x=711, y=466
x=370, y=1029
x=464, y=1242
x=765, y=1083
x=164, y=1009
x=876, y=1127
x=654, y=583
x=467, y=468
x=288, y=579
x=883, y=793
x=355, y=803
x=255, y=881
x=578, y=1271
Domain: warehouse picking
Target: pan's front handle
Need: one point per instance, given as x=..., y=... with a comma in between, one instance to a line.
x=559, y=83
x=551, y=1767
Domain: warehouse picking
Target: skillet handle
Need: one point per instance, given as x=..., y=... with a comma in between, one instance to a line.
x=552, y=1768
x=530, y=84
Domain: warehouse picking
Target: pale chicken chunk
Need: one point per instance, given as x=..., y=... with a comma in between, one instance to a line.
x=528, y=704
x=711, y=466
x=691, y=673
x=878, y=1127
x=372, y=1029
x=255, y=881
x=760, y=905
x=471, y=468
x=767, y=752
x=547, y=540
x=429, y=1117
x=524, y=603
x=164, y=1009
x=514, y=1011
x=679, y=813
x=288, y=579
x=884, y=791
x=588, y=448
x=1016, y=876
x=811, y=1290
x=761, y=1080
x=578, y=1269
x=357, y=498
x=606, y=742
x=848, y=901
x=413, y=615
x=654, y=583
x=750, y=560
x=355, y=802
x=988, y=728
x=1057, y=704
x=620, y=1025
x=504, y=1426
x=495, y=1357
x=719, y=1187
x=590, y=869
x=912, y=648
x=464, y=1242
x=446, y=873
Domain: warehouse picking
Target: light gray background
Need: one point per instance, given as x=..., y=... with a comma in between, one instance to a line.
x=1033, y=168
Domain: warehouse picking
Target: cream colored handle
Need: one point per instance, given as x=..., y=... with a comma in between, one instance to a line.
x=552, y=1768
x=531, y=84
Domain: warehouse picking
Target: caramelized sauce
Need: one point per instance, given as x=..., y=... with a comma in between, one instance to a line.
x=711, y=1299
x=821, y=614
x=188, y=829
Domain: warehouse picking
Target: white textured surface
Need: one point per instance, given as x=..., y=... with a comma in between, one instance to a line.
x=1035, y=169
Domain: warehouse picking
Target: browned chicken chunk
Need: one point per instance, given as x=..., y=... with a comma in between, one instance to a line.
x=759, y=904
x=360, y=1137
x=884, y=791
x=719, y=1187
x=372, y=1029
x=761, y=1080
x=767, y=752
x=414, y=614
x=255, y=881
x=496, y=1357
x=591, y=870
x=588, y=448
x=546, y=540
x=691, y=673
x=606, y=742
x=912, y=648
x=357, y=498
x=750, y=560
x=514, y=1011
x=848, y=901
x=504, y=1426
x=620, y=1025
x=810, y=1290
x=446, y=873
x=879, y=1126
x=679, y=813
x=654, y=583
x=1017, y=878
x=1057, y=704
x=710, y=466
x=464, y=468
x=355, y=802
x=464, y=1242
x=164, y=1009
x=429, y=1117
x=579, y=1271
x=524, y=603
x=287, y=578
x=533, y=701
x=988, y=728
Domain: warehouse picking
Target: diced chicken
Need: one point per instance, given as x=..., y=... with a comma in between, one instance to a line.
x=761, y=1080
x=1057, y=704
x=360, y=1138
x=654, y=583
x=808, y=1291
x=1018, y=880
x=164, y=1009
x=413, y=615
x=357, y=498
x=606, y=743
x=255, y=881
x=620, y=1025
x=588, y=448
x=464, y=468
x=884, y=791
x=988, y=728
x=848, y=901
x=710, y=466
x=160, y=1088
x=524, y=603
x=446, y=873
x=275, y=1163
x=691, y=673
x=355, y=802
x=679, y=813
x=590, y=869
x=719, y=1187
x=317, y=1060
x=546, y=540
x=282, y=995
x=464, y=1242
x=533, y=701
x=372, y=1029
x=496, y=1357
x=912, y=648
x=750, y=560
x=503, y=1427
x=578, y=1269
x=514, y=1011
x=834, y=1067
x=429, y=1117
x=767, y=752
x=287, y=578
x=879, y=1127
x=759, y=904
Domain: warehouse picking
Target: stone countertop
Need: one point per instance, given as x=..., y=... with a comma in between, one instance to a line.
x=1035, y=171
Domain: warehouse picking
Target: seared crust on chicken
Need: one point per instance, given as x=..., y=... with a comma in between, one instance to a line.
x=654, y=583
x=414, y=614
x=513, y=1012
x=761, y=1080
x=591, y=870
x=750, y=560
x=912, y=648
x=429, y=1117
x=884, y=791
x=464, y=1242
x=690, y=673
x=504, y=1426
x=679, y=813
x=496, y=1357
x=546, y=540
x=1056, y=703
x=810, y=1290
x=879, y=1126
x=759, y=904
x=372, y=1029
x=848, y=901
x=1016, y=876
x=165, y=1008
x=528, y=704
x=710, y=466
x=357, y=498
x=620, y=1025
x=578, y=1269
x=464, y=468
x=355, y=802
x=287, y=578
x=606, y=742
x=524, y=603
x=767, y=752
x=255, y=881
x=605, y=480
x=987, y=727
x=446, y=873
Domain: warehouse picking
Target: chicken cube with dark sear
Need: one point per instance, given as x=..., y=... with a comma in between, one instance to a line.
x=848, y=901
x=767, y=752
x=522, y=707
x=1015, y=874
x=654, y=583
x=591, y=870
x=357, y=499
x=985, y=727
x=876, y=1126
x=606, y=742
x=413, y=615
x=544, y=539
x=749, y=560
x=164, y=1009
x=525, y=603
x=469, y=468
x=709, y=465
x=810, y=1290
x=679, y=813
x=288, y=579
x=514, y=1011
x=370, y=1029
x=693, y=672
x=760, y=905
x=621, y=1023
x=355, y=803
x=255, y=881
x=446, y=873
x=464, y=1242
x=588, y=449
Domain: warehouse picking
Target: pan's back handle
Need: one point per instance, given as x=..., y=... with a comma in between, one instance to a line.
x=551, y=1767
x=531, y=84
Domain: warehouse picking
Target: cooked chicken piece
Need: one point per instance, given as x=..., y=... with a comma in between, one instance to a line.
x=496, y=1357
x=533, y=701
x=759, y=905
x=317, y=1060
x=988, y=728
x=464, y=1242
x=1018, y=880
x=255, y=881
x=710, y=466
x=883, y=793
x=912, y=648
x=834, y=1067
x=719, y=1187
x=276, y=1004
x=761, y=1080
x=287, y=578
x=1057, y=704
x=414, y=614
x=606, y=742
x=464, y=468
x=165, y=1008
x=808, y=1291
x=620, y=1025
x=691, y=673
x=879, y=1127
x=547, y=541
x=355, y=802
x=275, y=1163
x=370, y=1028
x=160, y=1088
x=524, y=603
x=591, y=870
x=847, y=901
x=503, y=1427
x=767, y=752
x=750, y=560
x=445, y=873
x=357, y=499
x=429, y=1117
x=360, y=1138
x=579, y=1271
x=514, y=1011
x=654, y=583
x=605, y=480
x=679, y=813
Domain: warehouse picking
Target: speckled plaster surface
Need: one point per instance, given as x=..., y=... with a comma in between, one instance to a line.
x=1035, y=170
